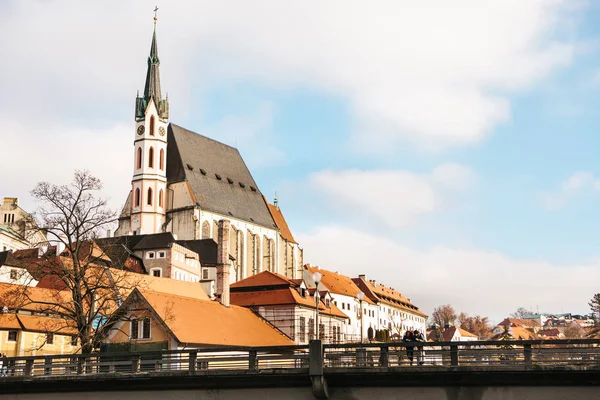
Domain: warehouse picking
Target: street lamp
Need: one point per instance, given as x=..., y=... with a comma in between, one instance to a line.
x=361, y=297
x=317, y=278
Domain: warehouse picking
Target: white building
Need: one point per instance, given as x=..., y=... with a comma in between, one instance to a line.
x=184, y=183
x=17, y=228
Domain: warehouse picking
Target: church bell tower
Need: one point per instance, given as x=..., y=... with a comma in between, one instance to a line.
x=149, y=182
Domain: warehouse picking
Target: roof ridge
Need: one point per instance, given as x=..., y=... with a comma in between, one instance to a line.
x=206, y=137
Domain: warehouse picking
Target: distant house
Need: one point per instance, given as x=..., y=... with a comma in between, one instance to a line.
x=451, y=334
x=18, y=230
x=166, y=321
x=24, y=331
x=290, y=306
x=529, y=324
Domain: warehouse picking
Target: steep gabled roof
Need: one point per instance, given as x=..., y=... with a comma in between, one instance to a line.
x=205, y=248
x=265, y=278
x=337, y=283
x=281, y=223
x=210, y=323
x=219, y=178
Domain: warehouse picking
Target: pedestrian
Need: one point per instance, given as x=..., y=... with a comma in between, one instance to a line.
x=418, y=337
x=409, y=338
x=4, y=364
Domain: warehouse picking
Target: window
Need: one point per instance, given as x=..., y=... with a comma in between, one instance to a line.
x=150, y=254
x=303, y=292
x=152, y=125
x=161, y=160
x=321, y=331
x=302, y=329
x=14, y=274
x=311, y=328
x=161, y=254
x=327, y=303
x=137, y=197
x=151, y=157
x=160, y=198
x=140, y=328
x=343, y=306
x=12, y=336
x=49, y=338
x=74, y=340
x=138, y=158
x=156, y=272
x=149, y=196
x=205, y=274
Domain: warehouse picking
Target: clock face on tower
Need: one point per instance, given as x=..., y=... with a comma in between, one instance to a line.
x=161, y=130
x=141, y=130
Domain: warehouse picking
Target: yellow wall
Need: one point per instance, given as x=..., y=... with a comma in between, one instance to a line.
x=32, y=344
x=157, y=333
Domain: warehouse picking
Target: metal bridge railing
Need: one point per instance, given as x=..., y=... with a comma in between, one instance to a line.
x=331, y=358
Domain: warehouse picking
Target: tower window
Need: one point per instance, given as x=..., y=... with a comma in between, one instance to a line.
x=139, y=158
x=151, y=157
x=161, y=162
x=137, y=197
x=149, y=196
x=160, y=197
x=152, y=125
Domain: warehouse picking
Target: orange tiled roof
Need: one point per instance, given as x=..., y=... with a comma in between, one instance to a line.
x=282, y=297
x=207, y=322
x=37, y=323
x=9, y=321
x=337, y=283
x=530, y=323
x=379, y=292
x=265, y=278
x=284, y=229
x=29, y=297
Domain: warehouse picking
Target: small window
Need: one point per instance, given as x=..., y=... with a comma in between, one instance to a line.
x=303, y=292
x=49, y=338
x=218, y=176
x=205, y=274
x=151, y=157
x=139, y=158
x=14, y=274
x=149, y=196
x=150, y=254
x=161, y=254
x=230, y=181
x=161, y=160
x=134, y=329
x=190, y=167
x=12, y=336
x=74, y=340
x=152, y=125
x=146, y=328
x=253, y=188
x=160, y=198
x=156, y=272
x=242, y=185
x=203, y=172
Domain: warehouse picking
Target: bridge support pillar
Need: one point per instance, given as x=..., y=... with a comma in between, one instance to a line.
x=315, y=369
x=527, y=354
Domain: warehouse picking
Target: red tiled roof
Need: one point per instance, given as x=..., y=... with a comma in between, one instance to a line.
x=206, y=322
x=281, y=223
x=337, y=283
x=265, y=278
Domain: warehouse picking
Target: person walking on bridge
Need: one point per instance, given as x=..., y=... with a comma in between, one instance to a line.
x=409, y=337
x=4, y=364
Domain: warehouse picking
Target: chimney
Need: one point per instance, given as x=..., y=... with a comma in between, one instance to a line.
x=363, y=277
x=223, y=262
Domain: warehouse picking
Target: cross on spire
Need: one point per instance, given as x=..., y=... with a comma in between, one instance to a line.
x=155, y=11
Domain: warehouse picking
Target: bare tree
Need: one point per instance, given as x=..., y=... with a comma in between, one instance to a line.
x=443, y=315
x=477, y=325
x=595, y=307
x=83, y=291
x=521, y=312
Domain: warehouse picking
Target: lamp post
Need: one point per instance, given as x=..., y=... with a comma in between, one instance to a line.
x=317, y=278
x=361, y=297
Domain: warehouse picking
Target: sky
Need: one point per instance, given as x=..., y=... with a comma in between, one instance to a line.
x=446, y=149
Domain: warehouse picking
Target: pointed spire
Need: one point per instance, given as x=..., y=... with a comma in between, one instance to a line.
x=152, y=86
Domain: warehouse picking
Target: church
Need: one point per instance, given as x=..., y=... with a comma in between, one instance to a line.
x=184, y=183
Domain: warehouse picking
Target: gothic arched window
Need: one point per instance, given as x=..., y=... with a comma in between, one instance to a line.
x=137, y=197
x=139, y=158
x=160, y=198
x=149, y=196
x=152, y=125
x=151, y=158
x=161, y=160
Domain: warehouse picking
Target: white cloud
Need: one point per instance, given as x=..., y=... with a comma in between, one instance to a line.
x=29, y=157
x=575, y=185
x=433, y=72
x=395, y=198
x=472, y=280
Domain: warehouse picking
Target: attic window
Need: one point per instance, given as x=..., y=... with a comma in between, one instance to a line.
x=251, y=219
x=242, y=185
x=218, y=176
x=232, y=214
x=203, y=172
x=253, y=188
x=230, y=181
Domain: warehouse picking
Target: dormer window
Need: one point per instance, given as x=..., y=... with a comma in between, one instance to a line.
x=328, y=303
x=303, y=292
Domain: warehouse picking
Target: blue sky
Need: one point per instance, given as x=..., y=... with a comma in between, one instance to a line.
x=447, y=150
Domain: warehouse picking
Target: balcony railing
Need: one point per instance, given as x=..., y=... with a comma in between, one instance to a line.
x=331, y=358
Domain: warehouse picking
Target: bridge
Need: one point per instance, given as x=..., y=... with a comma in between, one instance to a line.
x=486, y=370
